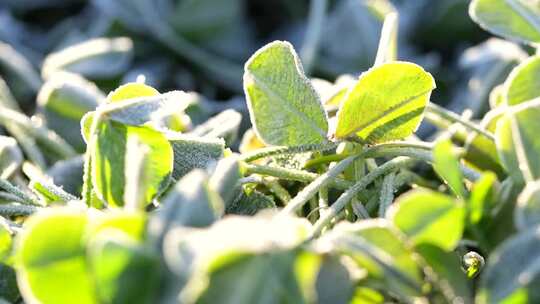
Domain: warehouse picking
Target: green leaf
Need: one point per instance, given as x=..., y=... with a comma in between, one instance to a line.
x=216, y=264
x=388, y=43
x=124, y=270
x=51, y=249
x=512, y=274
x=387, y=103
x=513, y=19
x=192, y=202
x=427, y=217
x=63, y=100
x=376, y=247
x=11, y=156
x=224, y=125
x=250, y=202
x=518, y=143
x=284, y=108
x=193, y=152
x=109, y=161
x=481, y=151
x=96, y=58
x=5, y=240
x=9, y=291
x=446, y=273
x=523, y=82
x=225, y=178
x=482, y=197
x=527, y=211
x=446, y=164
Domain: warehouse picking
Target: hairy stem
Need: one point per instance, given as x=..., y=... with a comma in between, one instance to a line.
x=453, y=117
x=270, y=151
x=346, y=197
x=24, y=197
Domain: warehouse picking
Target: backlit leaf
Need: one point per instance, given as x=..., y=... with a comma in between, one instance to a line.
x=284, y=108
x=387, y=103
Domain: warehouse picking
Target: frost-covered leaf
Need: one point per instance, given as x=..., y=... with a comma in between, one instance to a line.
x=95, y=59
x=225, y=178
x=194, y=152
x=512, y=274
x=513, y=19
x=224, y=125
x=428, y=217
x=250, y=202
x=63, y=100
x=284, y=108
x=191, y=202
x=387, y=103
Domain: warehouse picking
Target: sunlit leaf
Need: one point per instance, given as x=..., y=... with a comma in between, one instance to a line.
x=427, y=217
x=284, y=108
x=387, y=103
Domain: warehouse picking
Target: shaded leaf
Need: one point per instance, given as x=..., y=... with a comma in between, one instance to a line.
x=194, y=152
x=95, y=59
x=512, y=273
x=527, y=211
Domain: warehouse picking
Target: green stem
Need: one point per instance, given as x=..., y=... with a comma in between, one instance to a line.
x=24, y=198
x=453, y=117
x=270, y=151
x=325, y=159
x=308, y=53
x=322, y=180
x=387, y=193
x=346, y=197
x=292, y=174
x=281, y=193
x=420, y=154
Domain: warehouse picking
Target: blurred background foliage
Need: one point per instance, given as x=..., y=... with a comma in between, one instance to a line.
x=201, y=45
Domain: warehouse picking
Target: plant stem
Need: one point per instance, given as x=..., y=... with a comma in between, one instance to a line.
x=265, y=152
x=24, y=198
x=420, y=154
x=16, y=209
x=281, y=193
x=387, y=193
x=345, y=198
x=308, y=53
x=322, y=180
x=453, y=117
x=292, y=174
